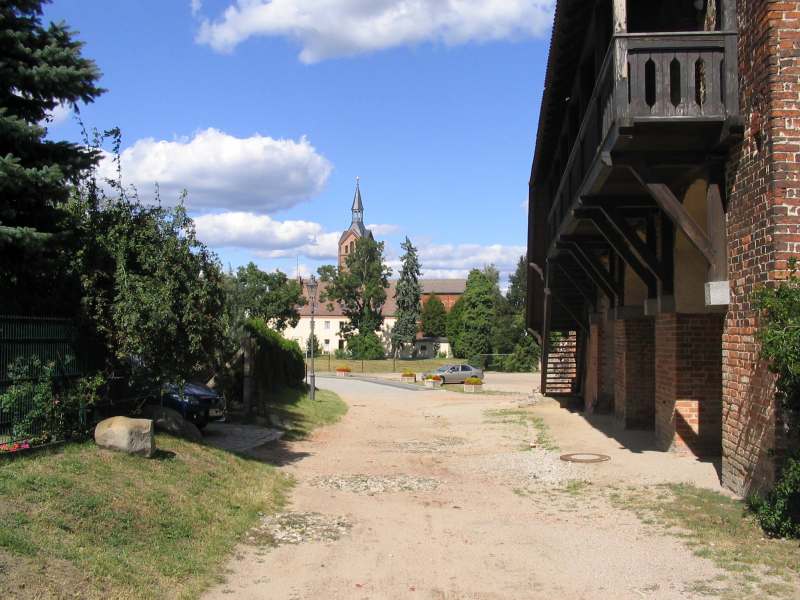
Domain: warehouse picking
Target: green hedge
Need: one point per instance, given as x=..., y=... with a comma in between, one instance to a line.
x=278, y=361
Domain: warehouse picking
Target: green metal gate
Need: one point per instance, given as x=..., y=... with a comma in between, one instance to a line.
x=29, y=341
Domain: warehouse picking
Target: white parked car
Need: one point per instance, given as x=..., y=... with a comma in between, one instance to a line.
x=457, y=373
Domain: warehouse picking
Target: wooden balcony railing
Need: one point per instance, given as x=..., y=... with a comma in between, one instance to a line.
x=662, y=77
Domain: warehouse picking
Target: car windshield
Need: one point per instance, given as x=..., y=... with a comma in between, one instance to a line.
x=442, y=369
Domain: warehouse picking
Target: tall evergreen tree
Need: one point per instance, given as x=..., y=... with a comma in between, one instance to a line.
x=455, y=327
x=407, y=296
x=434, y=318
x=478, y=316
x=41, y=67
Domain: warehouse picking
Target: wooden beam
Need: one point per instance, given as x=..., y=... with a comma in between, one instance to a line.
x=587, y=295
x=635, y=244
x=596, y=272
x=673, y=208
x=623, y=248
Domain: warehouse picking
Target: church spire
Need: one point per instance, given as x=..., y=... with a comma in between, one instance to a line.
x=358, y=206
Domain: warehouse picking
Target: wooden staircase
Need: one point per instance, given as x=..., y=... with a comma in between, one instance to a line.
x=561, y=366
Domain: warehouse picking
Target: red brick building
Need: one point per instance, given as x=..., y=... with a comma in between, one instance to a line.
x=663, y=192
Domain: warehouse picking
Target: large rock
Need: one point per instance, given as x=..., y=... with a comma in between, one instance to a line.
x=134, y=436
x=172, y=422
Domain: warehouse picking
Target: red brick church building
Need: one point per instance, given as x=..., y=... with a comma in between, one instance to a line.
x=663, y=192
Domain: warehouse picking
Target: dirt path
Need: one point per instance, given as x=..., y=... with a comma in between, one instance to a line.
x=451, y=503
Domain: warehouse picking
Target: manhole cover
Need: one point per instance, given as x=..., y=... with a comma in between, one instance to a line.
x=585, y=457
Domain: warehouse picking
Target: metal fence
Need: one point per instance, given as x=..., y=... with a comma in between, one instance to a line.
x=37, y=343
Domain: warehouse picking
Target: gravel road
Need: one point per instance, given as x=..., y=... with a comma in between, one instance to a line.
x=418, y=495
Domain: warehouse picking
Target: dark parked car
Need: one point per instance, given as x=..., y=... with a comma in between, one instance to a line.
x=457, y=373
x=198, y=403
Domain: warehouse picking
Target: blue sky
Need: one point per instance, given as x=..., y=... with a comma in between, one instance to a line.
x=266, y=112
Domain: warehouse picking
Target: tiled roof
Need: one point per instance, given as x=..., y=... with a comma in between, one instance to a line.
x=429, y=286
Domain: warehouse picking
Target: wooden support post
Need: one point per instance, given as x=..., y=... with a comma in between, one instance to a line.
x=620, y=16
x=587, y=295
x=718, y=271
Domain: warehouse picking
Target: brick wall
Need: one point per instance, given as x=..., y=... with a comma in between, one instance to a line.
x=634, y=377
x=605, y=367
x=688, y=383
x=763, y=222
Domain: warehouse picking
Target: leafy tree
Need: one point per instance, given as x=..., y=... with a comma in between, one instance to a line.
x=152, y=292
x=455, y=327
x=407, y=296
x=366, y=346
x=479, y=311
x=313, y=342
x=359, y=287
x=518, y=286
x=434, y=318
x=272, y=297
x=41, y=67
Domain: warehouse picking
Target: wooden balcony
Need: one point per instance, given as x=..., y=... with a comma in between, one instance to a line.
x=671, y=95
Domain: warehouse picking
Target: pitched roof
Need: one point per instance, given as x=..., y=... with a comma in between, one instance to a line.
x=429, y=286
x=443, y=286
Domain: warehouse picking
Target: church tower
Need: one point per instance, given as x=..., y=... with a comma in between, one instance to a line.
x=347, y=242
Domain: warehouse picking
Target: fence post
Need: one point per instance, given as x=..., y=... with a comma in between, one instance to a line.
x=362, y=366
x=248, y=387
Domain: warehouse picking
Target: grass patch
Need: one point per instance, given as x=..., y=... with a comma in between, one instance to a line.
x=720, y=529
x=105, y=524
x=523, y=418
x=301, y=415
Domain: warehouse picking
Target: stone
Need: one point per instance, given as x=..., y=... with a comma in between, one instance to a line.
x=172, y=422
x=134, y=436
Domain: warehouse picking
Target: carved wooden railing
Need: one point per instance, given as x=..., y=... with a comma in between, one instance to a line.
x=664, y=77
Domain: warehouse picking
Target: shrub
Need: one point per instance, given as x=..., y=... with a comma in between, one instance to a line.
x=473, y=381
x=341, y=354
x=366, y=346
x=278, y=361
x=344, y=369
x=779, y=513
x=433, y=378
x=45, y=408
x=408, y=373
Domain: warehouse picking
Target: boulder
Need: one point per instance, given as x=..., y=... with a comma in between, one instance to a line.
x=134, y=436
x=172, y=422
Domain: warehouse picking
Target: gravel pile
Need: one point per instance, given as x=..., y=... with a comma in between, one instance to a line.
x=376, y=484
x=296, y=528
x=534, y=466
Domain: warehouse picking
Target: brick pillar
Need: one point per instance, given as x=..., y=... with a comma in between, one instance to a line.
x=689, y=383
x=606, y=360
x=634, y=377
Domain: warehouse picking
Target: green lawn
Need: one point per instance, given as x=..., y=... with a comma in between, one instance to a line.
x=92, y=523
x=294, y=406
x=327, y=363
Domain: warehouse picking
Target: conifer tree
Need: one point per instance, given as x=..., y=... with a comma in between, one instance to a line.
x=478, y=316
x=41, y=68
x=407, y=296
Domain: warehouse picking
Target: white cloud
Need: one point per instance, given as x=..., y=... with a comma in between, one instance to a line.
x=463, y=257
x=257, y=173
x=268, y=237
x=196, y=6
x=334, y=28
x=61, y=113
x=383, y=229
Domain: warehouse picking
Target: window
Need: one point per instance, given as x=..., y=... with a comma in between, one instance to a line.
x=466, y=368
x=327, y=324
x=327, y=343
